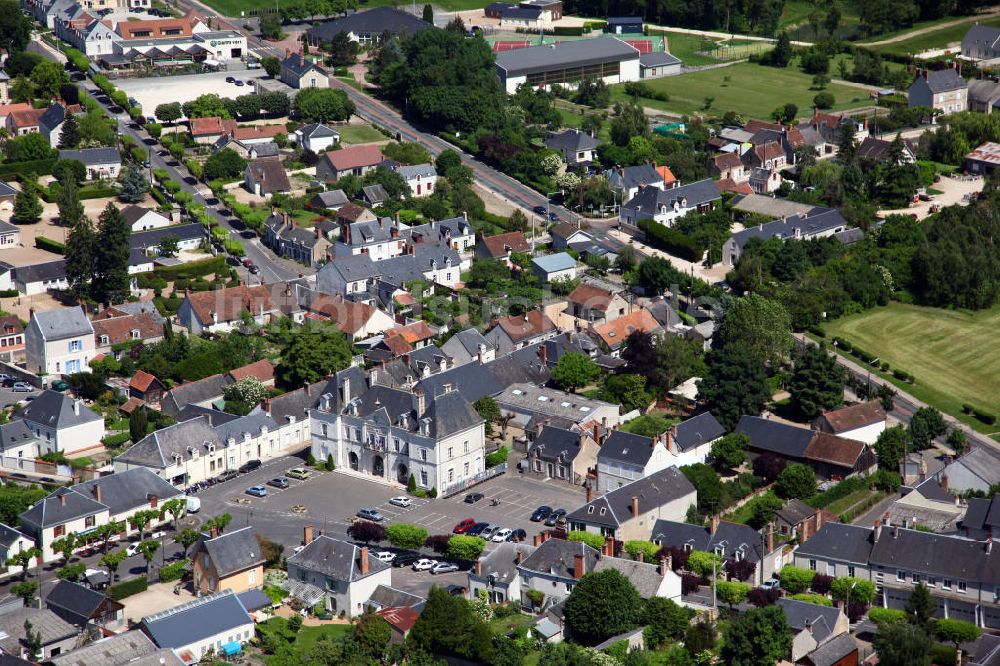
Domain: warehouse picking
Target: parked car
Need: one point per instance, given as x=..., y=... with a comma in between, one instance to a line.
x=249, y=466
x=539, y=210
x=158, y=534
x=58, y=385
x=254, y=269
x=246, y=261
x=22, y=387
x=132, y=550
x=423, y=564
x=553, y=217
x=257, y=491
x=230, y=79
x=371, y=513
x=555, y=517
x=405, y=559
x=517, y=535
x=385, y=556
x=278, y=482
x=228, y=474
x=501, y=535
x=298, y=473
x=489, y=531
x=444, y=567
x=477, y=529
x=401, y=500
x=771, y=584
x=541, y=513
x=472, y=498
x=239, y=83
x=464, y=526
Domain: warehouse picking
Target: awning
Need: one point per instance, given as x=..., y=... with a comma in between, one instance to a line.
x=229, y=649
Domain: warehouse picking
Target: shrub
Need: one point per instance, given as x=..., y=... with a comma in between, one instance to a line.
x=497, y=457
x=818, y=599
x=595, y=541
x=760, y=597
x=43, y=243
x=648, y=549
x=824, y=100
x=700, y=562
x=691, y=583
x=821, y=584
x=887, y=616
x=671, y=240
x=173, y=571
x=795, y=580
x=128, y=588
x=985, y=417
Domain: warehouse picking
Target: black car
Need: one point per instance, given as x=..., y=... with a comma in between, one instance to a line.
x=405, y=559
x=211, y=201
x=517, y=535
x=477, y=529
x=541, y=513
x=472, y=498
x=555, y=517
x=540, y=210
x=250, y=466
x=553, y=217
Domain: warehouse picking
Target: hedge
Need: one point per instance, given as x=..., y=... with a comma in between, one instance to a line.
x=671, y=240
x=37, y=167
x=173, y=571
x=497, y=457
x=116, y=440
x=192, y=269
x=128, y=588
x=9, y=293
x=985, y=417
x=568, y=31
x=43, y=243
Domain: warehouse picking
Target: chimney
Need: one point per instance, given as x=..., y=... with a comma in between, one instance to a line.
x=878, y=529
x=989, y=544
x=418, y=402
x=809, y=626
x=805, y=526
x=307, y=535
x=519, y=557
x=265, y=404
x=76, y=407
x=62, y=499
x=590, y=493
x=819, y=519
x=665, y=563
x=609, y=546
x=97, y=492
x=597, y=434
x=578, y=566
x=215, y=532
x=543, y=353
x=363, y=560
x=714, y=524
x=635, y=506
x=944, y=482
x=670, y=439
x=770, y=537
x=538, y=540
x=642, y=556
x=479, y=567
x=885, y=518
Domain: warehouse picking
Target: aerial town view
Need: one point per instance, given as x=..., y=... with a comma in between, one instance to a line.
x=513, y=333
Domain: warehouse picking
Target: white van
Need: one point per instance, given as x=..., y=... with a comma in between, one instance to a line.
x=193, y=504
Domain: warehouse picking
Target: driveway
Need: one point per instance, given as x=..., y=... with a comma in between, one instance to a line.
x=953, y=191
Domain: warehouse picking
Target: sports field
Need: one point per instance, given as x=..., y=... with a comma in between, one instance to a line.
x=746, y=88
x=953, y=354
x=936, y=39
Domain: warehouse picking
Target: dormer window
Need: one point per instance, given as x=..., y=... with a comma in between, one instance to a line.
x=105, y=340
x=135, y=334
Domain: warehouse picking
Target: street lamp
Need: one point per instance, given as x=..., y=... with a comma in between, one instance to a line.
x=847, y=604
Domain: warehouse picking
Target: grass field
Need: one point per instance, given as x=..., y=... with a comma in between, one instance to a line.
x=937, y=39
x=951, y=353
x=746, y=88
x=232, y=8
x=359, y=134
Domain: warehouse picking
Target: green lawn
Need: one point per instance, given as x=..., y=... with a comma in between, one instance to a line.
x=951, y=353
x=746, y=88
x=932, y=40
x=359, y=134
x=308, y=636
x=795, y=13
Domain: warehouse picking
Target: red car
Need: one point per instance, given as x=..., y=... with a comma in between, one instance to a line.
x=464, y=526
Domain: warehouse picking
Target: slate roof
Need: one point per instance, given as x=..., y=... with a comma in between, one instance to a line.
x=269, y=175
x=501, y=562
x=6, y=190
x=832, y=651
x=794, y=511
x=74, y=602
x=55, y=410
x=649, y=199
x=317, y=131
x=697, y=430
x=370, y=22
x=775, y=436
x=9, y=536
x=330, y=199
x=411, y=172
x=14, y=434
x=126, y=490
x=626, y=447
x=197, y=620
x=375, y=194
x=254, y=600
x=644, y=576
x=579, y=53
x=615, y=508
x=231, y=552
x=115, y=650
x=158, y=448
x=658, y=59
x=335, y=559
x=92, y=156
x=197, y=391
x=475, y=380
x=50, y=626
x=571, y=140
x=63, y=323
x=51, y=510
x=982, y=463
x=800, y=614
x=153, y=237
x=818, y=221
x=626, y=178
x=555, y=443
x=851, y=417
x=471, y=339
x=935, y=554
x=729, y=538
x=944, y=80
x=46, y=270
x=299, y=64
x=387, y=597
x=839, y=541
x=555, y=557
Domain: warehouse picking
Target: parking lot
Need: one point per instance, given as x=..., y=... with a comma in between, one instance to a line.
x=152, y=92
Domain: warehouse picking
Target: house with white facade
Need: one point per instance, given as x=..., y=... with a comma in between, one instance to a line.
x=316, y=137
x=341, y=574
x=391, y=434
x=59, y=341
x=142, y=219
x=518, y=331
x=62, y=424
x=12, y=541
x=667, y=206
x=863, y=421
x=420, y=178
x=495, y=573
x=218, y=623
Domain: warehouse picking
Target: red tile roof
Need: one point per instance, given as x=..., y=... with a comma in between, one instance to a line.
x=229, y=304
x=26, y=118
x=851, y=417
x=349, y=316
x=157, y=28
x=592, y=297
x=526, y=326
x=259, y=132
x=211, y=126
x=666, y=174
x=355, y=157
x=730, y=185
x=825, y=447
x=397, y=345
x=262, y=370
x=142, y=380
x=727, y=161
x=119, y=329
x=400, y=617
x=615, y=332
x=415, y=332
x=753, y=125
x=496, y=246
x=10, y=325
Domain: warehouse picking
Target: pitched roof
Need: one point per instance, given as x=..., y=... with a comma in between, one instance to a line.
x=370, y=21
x=833, y=651
x=658, y=59
x=556, y=557
x=49, y=626
x=935, y=554
x=645, y=577
x=228, y=304
x=615, y=508
x=60, y=507
x=580, y=53
x=497, y=246
x=839, y=541
x=531, y=324
x=197, y=620
x=116, y=650
x=74, y=602
x=555, y=444
x=200, y=390
x=55, y=410
x=400, y=617
x=123, y=491
x=825, y=447
x=794, y=511
x=627, y=447
x=262, y=370
x=802, y=614
x=269, y=174
x=592, y=296
x=614, y=333
x=572, y=140
x=552, y=263
x=626, y=178
x=92, y=156
x=231, y=552
x=730, y=185
x=354, y=157
x=150, y=238
x=349, y=316
x=317, y=131
x=501, y=562
x=211, y=126
x=385, y=596
x=697, y=430
x=943, y=80
x=331, y=199
x=650, y=199
x=336, y=559
x=120, y=329
x=817, y=221
x=851, y=417
x=729, y=538
x=63, y=323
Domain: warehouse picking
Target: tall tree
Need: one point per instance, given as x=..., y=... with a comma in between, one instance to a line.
x=781, y=54
x=272, y=66
x=903, y=644
x=731, y=451
x=138, y=423
x=926, y=425
x=448, y=626
x=574, y=371
x=920, y=607
x=817, y=383
x=313, y=352
x=760, y=325
x=890, y=447
x=27, y=206
x=70, y=135
x=111, y=280
x=734, y=384
x=68, y=202
x=15, y=27
x=80, y=252
x=428, y=14
x=759, y=637
x=134, y=185
x=603, y=604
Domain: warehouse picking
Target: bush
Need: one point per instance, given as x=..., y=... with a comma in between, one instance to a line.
x=691, y=583
x=497, y=457
x=128, y=588
x=795, y=580
x=821, y=584
x=824, y=100
x=671, y=240
x=113, y=441
x=43, y=243
x=887, y=616
x=818, y=599
x=648, y=549
x=943, y=655
x=700, y=562
x=985, y=417
x=595, y=541
x=173, y=571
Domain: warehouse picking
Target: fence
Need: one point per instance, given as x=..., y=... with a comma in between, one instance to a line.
x=461, y=486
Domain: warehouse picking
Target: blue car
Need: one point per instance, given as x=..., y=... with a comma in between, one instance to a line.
x=257, y=491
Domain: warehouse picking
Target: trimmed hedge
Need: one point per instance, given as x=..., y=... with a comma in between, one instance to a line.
x=985, y=417
x=128, y=588
x=116, y=440
x=191, y=270
x=173, y=571
x=43, y=243
x=9, y=293
x=37, y=167
x=671, y=240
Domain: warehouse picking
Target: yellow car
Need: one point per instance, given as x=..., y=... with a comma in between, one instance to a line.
x=298, y=473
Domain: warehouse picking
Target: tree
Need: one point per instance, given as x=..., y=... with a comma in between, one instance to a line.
x=920, y=607
x=734, y=384
x=70, y=136
x=270, y=26
x=48, y=77
x=175, y=507
x=72, y=572
x=372, y=635
x=342, y=50
x=320, y=105
x=111, y=562
x=759, y=637
x=271, y=65
x=80, y=251
x=65, y=546
x=707, y=483
x=171, y=112
x=731, y=592
x=225, y=164
x=731, y=451
x=134, y=185
x=248, y=390
x=665, y=622
x=366, y=531
x=428, y=14
x=15, y=27
x=761, y=325
x=107, y=530
x=955, y=631
x=27, y=206
x=797, y=481
x=111, y=280
x=463, y=547
x=70, y=209
x=785, y=114
x=926, y=424
x=956, y=440
x=220, y=522
x=574, y=371
x=187, y=537
x=32, y=640
x=448, y=626
x=23, y=558
x=700, y=638
x=629, y=390
x=138, y=423
x=169, y=246
x=903, y=645
x=148, y=549
x=25, y=590
x=795, y=580
x=603, y=604
x=890, y=447
x=488, y=409
x=781, y=54
x=629, y=121
x=140, y=520
x=817, y=383
x=853, y=589
x=406, y=536
x=312, y=352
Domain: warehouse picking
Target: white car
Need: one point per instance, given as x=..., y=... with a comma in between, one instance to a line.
x=501, y=535
x=385, y=556
x=444, y=567
x=402, y=501
x=132, y=550
x=158, y=535
x=423, y=564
